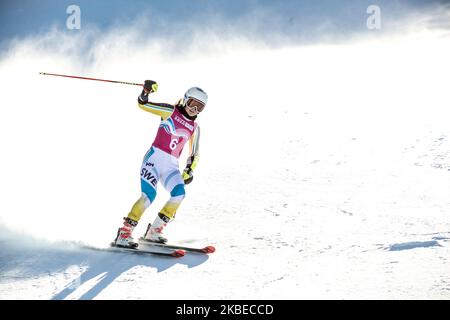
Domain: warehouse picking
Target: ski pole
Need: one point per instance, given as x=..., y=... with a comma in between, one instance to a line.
x=85, y=78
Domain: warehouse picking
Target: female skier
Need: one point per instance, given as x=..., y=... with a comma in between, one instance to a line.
x=161, y=162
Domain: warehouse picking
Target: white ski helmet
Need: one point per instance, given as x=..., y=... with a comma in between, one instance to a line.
x=197, y=94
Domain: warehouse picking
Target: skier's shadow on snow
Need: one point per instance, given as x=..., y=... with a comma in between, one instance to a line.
x=107, y=267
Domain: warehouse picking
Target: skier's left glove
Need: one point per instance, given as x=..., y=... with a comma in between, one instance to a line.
x=188, y=175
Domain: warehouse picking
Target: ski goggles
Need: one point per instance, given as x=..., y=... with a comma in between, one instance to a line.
x=194, y=104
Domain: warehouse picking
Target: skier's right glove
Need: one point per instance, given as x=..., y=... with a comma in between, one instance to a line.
x=188, y=175
x=150, y=86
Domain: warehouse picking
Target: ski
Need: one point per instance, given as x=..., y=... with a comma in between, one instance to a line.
x=175, y=253
x=178, y=253
x=206, y=250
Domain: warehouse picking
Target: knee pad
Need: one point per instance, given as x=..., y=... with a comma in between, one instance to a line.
x=149, y=191
x=178, y=191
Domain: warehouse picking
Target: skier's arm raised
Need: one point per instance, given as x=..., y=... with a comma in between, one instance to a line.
x=164, y=110
x=188, y=173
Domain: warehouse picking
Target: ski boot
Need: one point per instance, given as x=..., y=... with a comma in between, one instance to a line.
x=154, y=232
x=124, y=234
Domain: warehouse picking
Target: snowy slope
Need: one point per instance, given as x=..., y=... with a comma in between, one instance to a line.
x=324, y=173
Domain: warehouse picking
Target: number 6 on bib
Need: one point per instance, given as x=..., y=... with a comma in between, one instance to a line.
x=173, y=144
